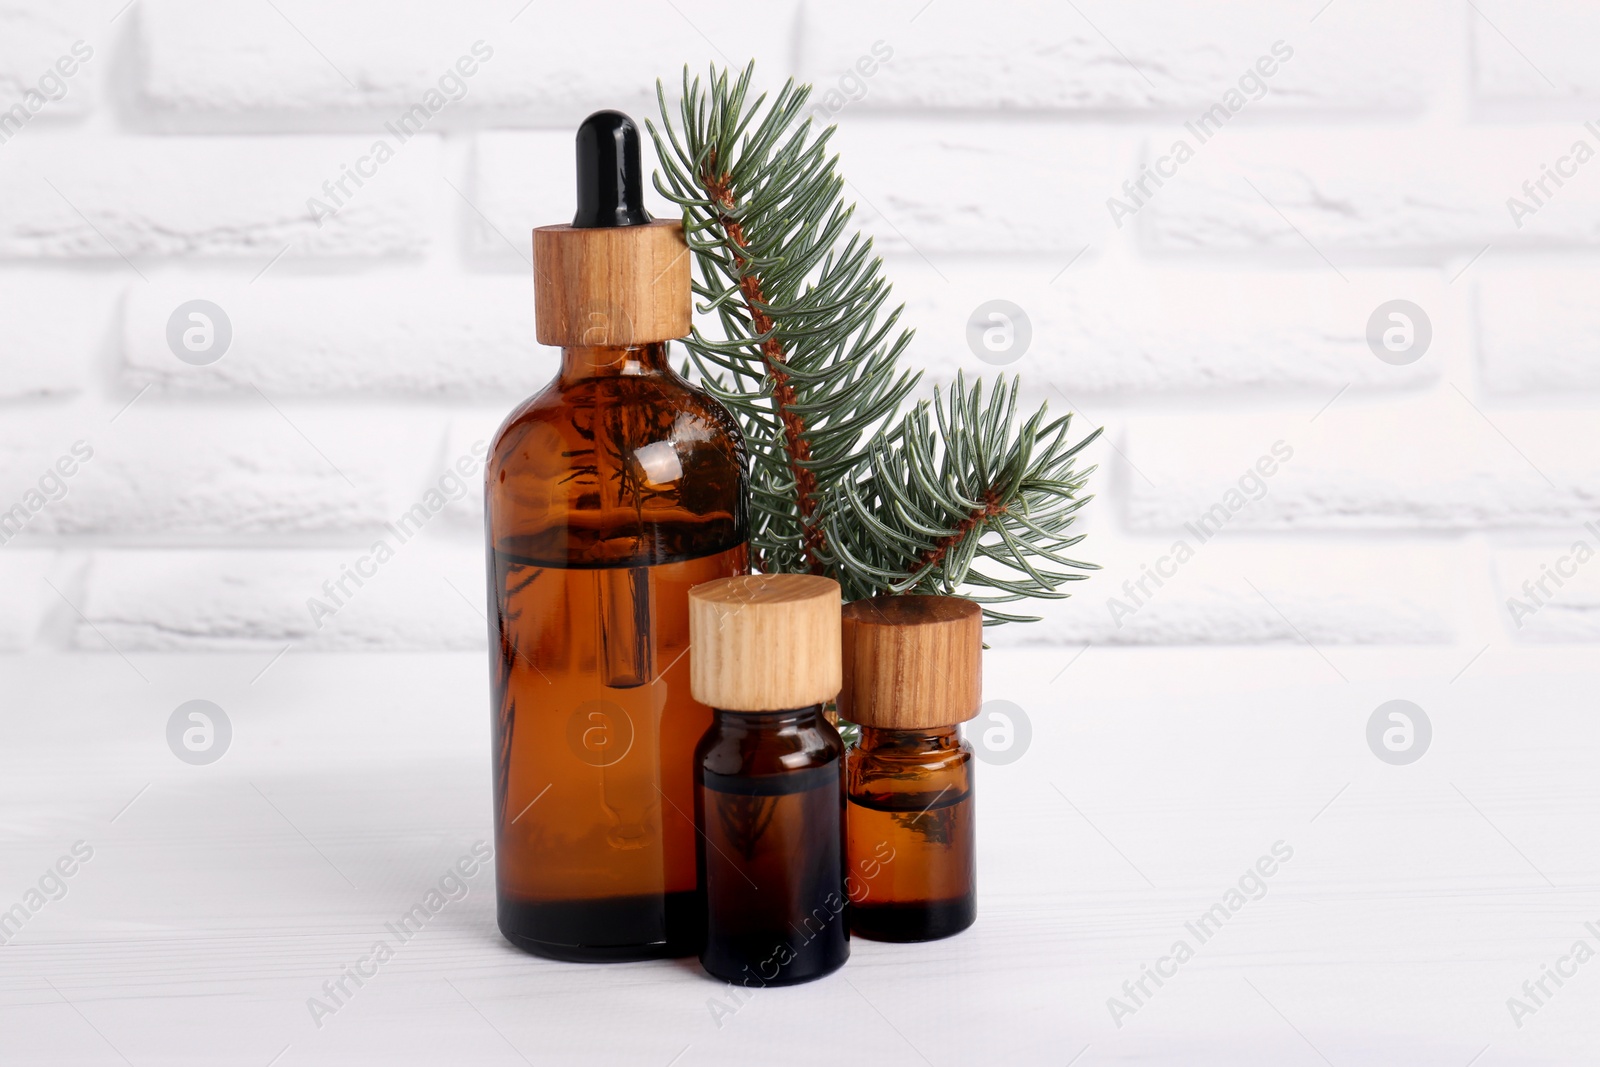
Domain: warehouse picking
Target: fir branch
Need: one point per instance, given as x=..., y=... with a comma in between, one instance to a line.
x=805, y=363
x=982, y=507
x=949, y=496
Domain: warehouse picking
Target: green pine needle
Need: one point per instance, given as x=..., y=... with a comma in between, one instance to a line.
x=952, y=496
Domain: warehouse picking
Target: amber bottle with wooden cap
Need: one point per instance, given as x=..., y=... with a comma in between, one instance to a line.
x=609, y=495
x=768, y=772
x=912, y=674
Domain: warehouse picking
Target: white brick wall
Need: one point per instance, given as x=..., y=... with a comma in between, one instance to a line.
x=247, y=468
x=1539, y=330
x=37, y=56
x=152, y=601
x=139, y=198
x=358, y=338
x=1226, y=310
x=536, y=65
x=1043, y=55
x=1347, y=192
x=54, y=327
x=1148, y=332
x=1555, y=40
x=1433, y=463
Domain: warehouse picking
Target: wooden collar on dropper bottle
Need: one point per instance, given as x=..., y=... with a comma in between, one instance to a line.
x=614, y=277
x=911, y=662
x=764, y=642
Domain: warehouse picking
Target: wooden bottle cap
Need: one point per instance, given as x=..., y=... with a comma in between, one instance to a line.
x=911, y=662
x=611, y=286
x=764, y=642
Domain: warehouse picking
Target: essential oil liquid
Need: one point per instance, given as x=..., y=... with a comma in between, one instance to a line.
x=594, y=737
x=774, y=876
x=918, y=872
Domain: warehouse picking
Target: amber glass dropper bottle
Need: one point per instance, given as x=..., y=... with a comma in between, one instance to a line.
x=913, y=672
x=769, y=777
x=609, y=494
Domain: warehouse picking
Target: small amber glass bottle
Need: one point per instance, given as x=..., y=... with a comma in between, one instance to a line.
x=610, y=494
x=769, y=778
x=912, y=674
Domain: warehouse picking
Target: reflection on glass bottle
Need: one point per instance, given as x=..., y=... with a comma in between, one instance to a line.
x=744, y=819
x=624, y=618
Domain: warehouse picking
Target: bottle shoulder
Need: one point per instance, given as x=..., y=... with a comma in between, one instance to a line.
x=736, y=749
x=617, y=470
x=909, y=770
x=662, y=406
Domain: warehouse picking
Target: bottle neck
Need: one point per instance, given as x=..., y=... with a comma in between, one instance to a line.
x=918, y=741
x=579, y=363
x=767, y=722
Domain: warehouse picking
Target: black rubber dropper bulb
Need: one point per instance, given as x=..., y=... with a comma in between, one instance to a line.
x=610, y=186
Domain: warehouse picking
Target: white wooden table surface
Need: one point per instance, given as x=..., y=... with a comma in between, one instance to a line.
x=218, y=899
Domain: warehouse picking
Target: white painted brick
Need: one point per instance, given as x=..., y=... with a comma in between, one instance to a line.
x=988, y=144
x=175, y=472
x=54, y=328
x=420, y=336
x=520, y=181
x=1535, y=52
x=1039, y=54
x=429, y=597
x=1352, y=190
x=524, y=180
x=548, y=64
x=1539, y=330
x=43, y=458
x=1405, y=596
x=1432, y=463
x=1551, y=593
x=23, y=592
x=247, y=197
x=974, y=186
x=223, y=600
x=34, y=38
x=950, y=186
x=1135, y=333
x=470, y=435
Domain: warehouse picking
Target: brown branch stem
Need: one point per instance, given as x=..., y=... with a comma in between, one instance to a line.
x=797, y=446
x=932, y=556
